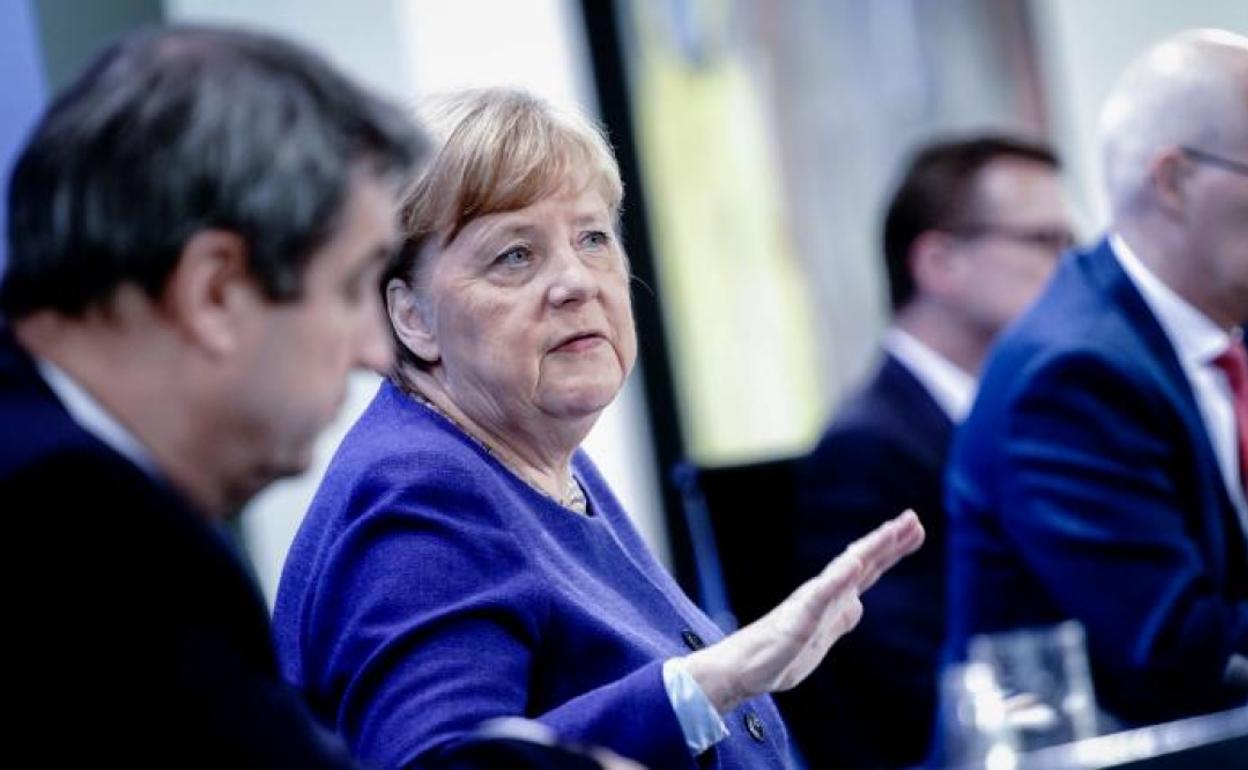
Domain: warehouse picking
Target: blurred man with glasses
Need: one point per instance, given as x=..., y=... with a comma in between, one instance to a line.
x=1100, y=475
x=971, y=234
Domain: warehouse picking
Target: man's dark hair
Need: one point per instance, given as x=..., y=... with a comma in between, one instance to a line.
x=937, y=192
x=175, y=130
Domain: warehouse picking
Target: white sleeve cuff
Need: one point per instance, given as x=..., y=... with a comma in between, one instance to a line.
x=699, y=721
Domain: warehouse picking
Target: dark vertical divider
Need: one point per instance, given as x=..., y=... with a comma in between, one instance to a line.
x=606, y=51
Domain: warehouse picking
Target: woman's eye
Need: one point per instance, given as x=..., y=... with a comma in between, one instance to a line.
x=513, y=257
x=595, y=239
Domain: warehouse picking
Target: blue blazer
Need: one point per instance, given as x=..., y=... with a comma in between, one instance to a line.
x=135, y=635
x=872, y=702
x=1083, y=485
x=430, y=589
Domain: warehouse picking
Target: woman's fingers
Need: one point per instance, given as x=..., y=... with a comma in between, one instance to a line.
x=840, y=577
x=780, y=649
x=860, y=565
x=885, y=546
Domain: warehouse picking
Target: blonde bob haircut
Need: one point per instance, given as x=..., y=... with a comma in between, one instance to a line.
x=495, y=150
x=501, y=149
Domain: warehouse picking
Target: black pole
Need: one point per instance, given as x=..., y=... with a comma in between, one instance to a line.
x=603, y=35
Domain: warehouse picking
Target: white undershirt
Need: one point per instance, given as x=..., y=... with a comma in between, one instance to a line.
x=950, y=387
x=1197, y=341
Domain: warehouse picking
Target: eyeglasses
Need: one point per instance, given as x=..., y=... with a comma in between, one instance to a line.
x=1055, y=239
x=1212, y=159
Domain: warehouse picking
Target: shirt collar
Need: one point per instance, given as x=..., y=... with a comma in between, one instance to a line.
x=951, y=387
x=1194, y=336
x=92, y=417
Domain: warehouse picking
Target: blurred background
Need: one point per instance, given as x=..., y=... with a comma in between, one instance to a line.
x=757, y=139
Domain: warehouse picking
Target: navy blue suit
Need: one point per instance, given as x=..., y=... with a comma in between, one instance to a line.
x=1083, y=485
x=872, y=701
x=135, y=635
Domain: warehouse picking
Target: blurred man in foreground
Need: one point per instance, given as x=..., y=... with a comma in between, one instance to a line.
x=197, y=227
x=1101, y=473
x=971, y=234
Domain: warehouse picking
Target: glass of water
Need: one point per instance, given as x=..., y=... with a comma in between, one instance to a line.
x=1044, y=683
x=1017, y=692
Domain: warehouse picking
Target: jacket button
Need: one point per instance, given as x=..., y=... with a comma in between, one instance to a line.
x=692, y=640
x=754, y=726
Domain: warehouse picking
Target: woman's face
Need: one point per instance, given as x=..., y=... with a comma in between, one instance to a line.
x=529, y=312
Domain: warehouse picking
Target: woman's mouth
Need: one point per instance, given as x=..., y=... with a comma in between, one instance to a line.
x=579, y=343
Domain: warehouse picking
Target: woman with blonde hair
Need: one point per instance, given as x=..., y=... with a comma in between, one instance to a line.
x=463, y=559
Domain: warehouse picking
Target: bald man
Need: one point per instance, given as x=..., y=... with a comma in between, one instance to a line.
x=1100, y=474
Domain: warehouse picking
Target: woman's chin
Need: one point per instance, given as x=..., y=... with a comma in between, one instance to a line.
x=585, y=400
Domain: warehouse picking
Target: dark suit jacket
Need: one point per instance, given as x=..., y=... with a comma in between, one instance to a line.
x=871, y=703
x=1083, y=486
x=135, y=636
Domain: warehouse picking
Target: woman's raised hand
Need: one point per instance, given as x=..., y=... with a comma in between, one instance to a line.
x=780, y=649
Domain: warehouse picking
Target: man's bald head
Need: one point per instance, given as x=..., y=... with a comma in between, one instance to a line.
x=1189, y=90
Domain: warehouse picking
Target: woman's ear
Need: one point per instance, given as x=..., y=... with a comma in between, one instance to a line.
x=409, y=321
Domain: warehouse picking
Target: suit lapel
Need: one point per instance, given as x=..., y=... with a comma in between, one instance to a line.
x=907, y=397
x=1163, y=365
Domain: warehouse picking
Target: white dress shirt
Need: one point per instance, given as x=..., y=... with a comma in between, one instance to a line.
x=1197, y=341
x=950, y=387
x=92, y=417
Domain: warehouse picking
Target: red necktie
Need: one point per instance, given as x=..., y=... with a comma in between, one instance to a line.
x=1234, y=364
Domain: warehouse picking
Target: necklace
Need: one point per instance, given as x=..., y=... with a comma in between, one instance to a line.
x=573, y=499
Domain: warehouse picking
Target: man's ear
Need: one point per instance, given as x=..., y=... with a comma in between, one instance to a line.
x=408, y=318
x=934, y=264
x=1167, y=173
x=211, y=293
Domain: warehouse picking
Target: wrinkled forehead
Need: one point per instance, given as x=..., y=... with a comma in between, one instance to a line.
x=567, y=173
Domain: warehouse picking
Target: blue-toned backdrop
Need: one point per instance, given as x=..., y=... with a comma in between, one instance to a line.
x=22, y=88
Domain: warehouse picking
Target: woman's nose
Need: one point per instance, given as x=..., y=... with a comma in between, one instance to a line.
x=572, y=279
